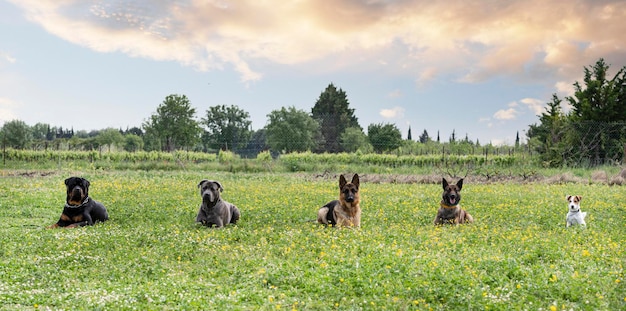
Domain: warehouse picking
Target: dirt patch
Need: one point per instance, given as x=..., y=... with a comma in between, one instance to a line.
x=563, y=178
x=29, y=174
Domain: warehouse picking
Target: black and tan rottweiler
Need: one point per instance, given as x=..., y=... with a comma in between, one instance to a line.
x=80, y=209
x=347, y=210
x=450, y=211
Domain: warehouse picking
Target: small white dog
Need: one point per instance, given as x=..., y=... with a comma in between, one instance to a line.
x=575, y=216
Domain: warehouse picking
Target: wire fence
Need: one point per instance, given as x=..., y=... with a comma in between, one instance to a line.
x=583, y=144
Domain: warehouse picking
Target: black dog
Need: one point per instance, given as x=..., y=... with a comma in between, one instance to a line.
x=80, y=210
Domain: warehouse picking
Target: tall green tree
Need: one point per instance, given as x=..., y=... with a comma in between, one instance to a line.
x=332, y=111
x=290, y=129
x=547, y=136
x=424, y=138
x=173, y=125
x=16, y=134
x=600, y=98
x=384, y=137
x=599, y=114
x=594, y=131
x=226, y=128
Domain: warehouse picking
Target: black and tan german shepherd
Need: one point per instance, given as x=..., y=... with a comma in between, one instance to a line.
x=347, y=210
x=450, y=211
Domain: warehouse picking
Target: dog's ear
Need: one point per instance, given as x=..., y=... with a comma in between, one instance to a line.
x=86, y=184
x=579, y=197
x=444, y=183
x=568, y=197
x=202, y=182
x=355, y=180
x=460, y=183
x=342, y=181
x=219, y=185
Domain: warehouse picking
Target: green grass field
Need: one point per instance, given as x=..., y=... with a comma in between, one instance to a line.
x=518, y=255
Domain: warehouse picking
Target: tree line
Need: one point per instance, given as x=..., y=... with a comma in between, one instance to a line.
x=330, y=126
x=592, y=132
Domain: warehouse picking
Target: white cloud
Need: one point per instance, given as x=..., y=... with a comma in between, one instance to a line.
x=564, y=88
x=395, y=112
x=535, y=105
x=508, y=114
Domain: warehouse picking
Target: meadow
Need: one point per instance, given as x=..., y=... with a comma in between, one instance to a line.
x=518, y=255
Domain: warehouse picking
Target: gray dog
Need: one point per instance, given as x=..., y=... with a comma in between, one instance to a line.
x=214, y=210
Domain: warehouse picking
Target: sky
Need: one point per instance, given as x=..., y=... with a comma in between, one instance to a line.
x=483, y=69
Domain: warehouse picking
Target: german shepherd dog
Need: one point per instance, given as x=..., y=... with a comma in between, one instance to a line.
x=346, y=211
x=450, y=211
x=80, y=209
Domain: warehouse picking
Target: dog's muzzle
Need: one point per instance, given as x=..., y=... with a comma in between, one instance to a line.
x=349, y=198
x=208, y=196
x=76, y=194
x=452, y=199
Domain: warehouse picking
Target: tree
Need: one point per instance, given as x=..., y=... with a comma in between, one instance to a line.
x=110, y=137
x=290, y=130
x=453, y=137
x=40, y=130
x=132, y=143
x=332, y=112
x=256, y=144
x=424, y=138
x=600, y=99
x=546, y=137
x=227, y=128
x=133, y=130
x=173, y=125
x=599, y=115
x=81, y=134
x=384, y=137
x=16, y=134
x=354, y=139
